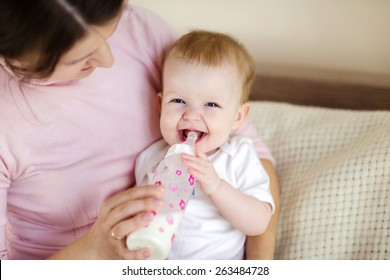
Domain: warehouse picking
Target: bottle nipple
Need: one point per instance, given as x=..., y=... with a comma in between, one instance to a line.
x=191, y=138
x=186, y=147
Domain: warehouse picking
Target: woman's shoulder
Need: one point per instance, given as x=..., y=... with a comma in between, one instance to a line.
x=142, y=32
x=140, y=13
x=145, y=22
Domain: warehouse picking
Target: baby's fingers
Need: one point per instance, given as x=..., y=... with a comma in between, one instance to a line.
x=195, y=162
x=200, y=153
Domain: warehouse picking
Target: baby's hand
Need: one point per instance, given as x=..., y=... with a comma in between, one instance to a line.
x=203, y=170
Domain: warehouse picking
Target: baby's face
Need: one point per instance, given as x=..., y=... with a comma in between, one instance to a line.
x=202, y=99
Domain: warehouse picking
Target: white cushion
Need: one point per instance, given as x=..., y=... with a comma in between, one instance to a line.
x=334, y=172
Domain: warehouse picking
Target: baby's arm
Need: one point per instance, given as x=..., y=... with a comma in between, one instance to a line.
x=246, y=213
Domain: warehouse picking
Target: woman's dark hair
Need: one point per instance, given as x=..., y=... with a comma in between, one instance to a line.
x=45, y=29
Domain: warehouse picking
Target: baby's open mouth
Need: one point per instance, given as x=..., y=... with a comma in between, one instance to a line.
x=183, y=135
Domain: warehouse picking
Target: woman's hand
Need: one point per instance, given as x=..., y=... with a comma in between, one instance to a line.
x=119, y=215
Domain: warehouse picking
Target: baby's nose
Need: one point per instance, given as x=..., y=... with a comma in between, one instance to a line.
x=192, y=115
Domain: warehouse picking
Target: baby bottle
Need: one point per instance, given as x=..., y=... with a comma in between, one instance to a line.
x=179, y=184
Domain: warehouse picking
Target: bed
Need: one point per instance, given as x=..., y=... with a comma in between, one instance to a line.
x=331, y=142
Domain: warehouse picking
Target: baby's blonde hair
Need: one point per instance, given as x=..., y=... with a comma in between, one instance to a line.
x=215, y=49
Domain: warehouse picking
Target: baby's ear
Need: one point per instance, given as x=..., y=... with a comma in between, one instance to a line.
x=159, y=100
x=241, y=115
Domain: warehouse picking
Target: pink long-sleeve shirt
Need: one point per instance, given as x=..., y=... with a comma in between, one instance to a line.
x=65, y=148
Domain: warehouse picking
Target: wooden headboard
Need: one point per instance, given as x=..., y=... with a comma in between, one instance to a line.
x=321, y=93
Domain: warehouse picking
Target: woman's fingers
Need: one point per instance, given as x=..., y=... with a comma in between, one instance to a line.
x=136, y=202
x=133, y=194
x=121, y=214
x=124, y=253
x=140, y=254
x=130, y=208
x=137, y=216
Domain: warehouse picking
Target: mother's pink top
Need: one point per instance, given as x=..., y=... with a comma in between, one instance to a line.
x=65, y=148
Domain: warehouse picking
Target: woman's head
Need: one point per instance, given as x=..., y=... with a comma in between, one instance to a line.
x=36, y=34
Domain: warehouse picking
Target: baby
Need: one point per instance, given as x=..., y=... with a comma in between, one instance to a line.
x=207, y=79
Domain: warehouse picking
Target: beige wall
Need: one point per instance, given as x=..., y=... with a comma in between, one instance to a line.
x=346, y=40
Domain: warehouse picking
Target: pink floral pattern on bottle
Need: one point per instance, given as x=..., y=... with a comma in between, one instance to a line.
x=170, y=219
x=178, y=172
x=173, y=187
x=191, y=180
x=182, y=204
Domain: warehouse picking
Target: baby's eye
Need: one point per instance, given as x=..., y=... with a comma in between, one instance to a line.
x=178, y=100
x=212, y=104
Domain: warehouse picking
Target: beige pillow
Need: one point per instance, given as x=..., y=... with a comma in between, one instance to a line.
x=334, y=172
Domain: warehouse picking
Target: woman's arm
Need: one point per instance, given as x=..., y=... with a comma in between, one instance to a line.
x=262, y=247
x=118, y=216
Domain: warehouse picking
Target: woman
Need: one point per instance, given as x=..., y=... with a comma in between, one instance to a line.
x=78, y=80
